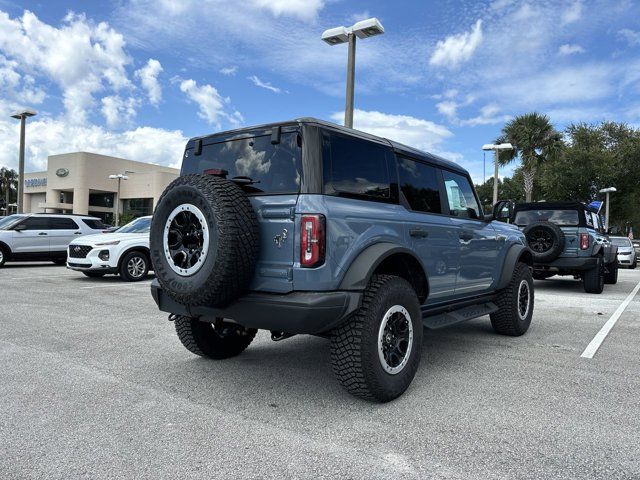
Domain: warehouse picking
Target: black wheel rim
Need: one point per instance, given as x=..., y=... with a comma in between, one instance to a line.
x=186, y=239
x=540, y=240
x=395, y=339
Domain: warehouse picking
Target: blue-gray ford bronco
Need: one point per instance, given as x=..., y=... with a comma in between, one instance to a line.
x=306, y=227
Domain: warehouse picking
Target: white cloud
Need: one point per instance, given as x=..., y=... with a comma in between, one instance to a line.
x=229, y=71
x=448, y=108
x=489, y=115
x=117, y=111
x=632, y=37
x=81, y=57
x=148, y=76
x=302, y=9
x=570, y=49
x=573, y=13
x=456, y=49
x=211, y=106
x=259, y=83
x=412, y=131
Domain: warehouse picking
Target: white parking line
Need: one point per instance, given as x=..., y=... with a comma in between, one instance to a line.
x=593, y=347
x=146, y=284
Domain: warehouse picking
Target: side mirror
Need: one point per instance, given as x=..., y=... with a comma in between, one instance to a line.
x=21, y=227
x=503, y=210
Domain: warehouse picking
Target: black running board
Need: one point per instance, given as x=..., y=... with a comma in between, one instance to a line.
x=463, y=314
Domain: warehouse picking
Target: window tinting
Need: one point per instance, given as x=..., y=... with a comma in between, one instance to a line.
x=94, y=224
x=462, y=201
x=62, y=224
x=419, y=185
x=36, y=223
x=273, y=168
x=356, y=167
x=559, y=217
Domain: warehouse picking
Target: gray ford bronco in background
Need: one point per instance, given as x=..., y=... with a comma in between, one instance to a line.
x=568, y=239
x=306, y=227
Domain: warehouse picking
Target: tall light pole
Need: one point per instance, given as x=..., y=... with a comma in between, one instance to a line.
x=119, y=177
x=334, y=36
x=606, y=212
x=22, y=116
x=496, y=149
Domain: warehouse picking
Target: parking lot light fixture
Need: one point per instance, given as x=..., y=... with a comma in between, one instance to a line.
x=22, y=115
x=335, y=36
x=119, y=177
x=496, y=148
x=607, y=191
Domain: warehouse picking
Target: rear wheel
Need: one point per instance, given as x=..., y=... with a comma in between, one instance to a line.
x=515, y=304
x=217, y=340
x=594, y=279
x=611, y=275
x=94, y=274
x=375, y=354
x=134, y=266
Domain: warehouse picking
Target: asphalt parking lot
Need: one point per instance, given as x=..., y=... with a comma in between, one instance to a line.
x=95, y=384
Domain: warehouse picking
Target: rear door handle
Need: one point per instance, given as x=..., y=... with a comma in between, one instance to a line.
x=78, y=233
x=466, y=236
x=42, y=233
x=418, y=232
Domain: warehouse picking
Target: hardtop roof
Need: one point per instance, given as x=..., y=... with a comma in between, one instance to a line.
x=397, y=146
x=554, y=206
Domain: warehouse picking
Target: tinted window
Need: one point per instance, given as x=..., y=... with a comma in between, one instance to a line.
x=36, y=223
x=559, y=217
x=356, y=167
x=94, y=224
x=462, y=201
x=273, y=168
x=419, y=185
x=62, y=224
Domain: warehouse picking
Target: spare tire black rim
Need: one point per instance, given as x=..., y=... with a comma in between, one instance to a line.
x=395, y=339
x=540, y=240
x=186, y=239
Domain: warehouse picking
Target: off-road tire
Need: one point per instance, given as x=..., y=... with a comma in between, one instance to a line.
x=556, y=237
x=508, y=320
x=594, y=278
x=124, y=266
x=611, y=275
x=354, y=345
x=202, y=339
x=94, y=274
x=233, y=241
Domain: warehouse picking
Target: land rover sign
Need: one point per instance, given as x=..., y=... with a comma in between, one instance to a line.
x=62, y=172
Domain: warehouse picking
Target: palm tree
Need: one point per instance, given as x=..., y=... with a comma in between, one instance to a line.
x=8, y=181
x=534, y=140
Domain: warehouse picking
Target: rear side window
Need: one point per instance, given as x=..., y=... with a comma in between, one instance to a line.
x=462, y=201
x=62, y=224
x=419, y=185
x=566, y=218
x=271, y=168
x=94, y=224
x=356, y=167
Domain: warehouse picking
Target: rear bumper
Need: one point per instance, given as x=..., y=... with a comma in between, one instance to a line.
x=296, y=312
x=577, y=263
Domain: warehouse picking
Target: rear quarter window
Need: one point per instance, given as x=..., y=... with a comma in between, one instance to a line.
x=565, y=218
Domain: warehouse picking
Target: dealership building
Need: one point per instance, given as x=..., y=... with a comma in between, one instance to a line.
x=79, y=183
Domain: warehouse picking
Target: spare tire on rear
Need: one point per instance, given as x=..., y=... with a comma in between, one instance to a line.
x=204, y=240
x=546, y=241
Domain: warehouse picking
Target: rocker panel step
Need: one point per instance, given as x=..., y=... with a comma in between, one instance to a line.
x=466, y=313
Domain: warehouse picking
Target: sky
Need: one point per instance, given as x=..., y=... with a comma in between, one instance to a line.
x=137, y=78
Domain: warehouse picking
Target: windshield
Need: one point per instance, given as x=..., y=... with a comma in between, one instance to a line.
x=269, y=168
x=7, y=222
x=139, y=225
x=620, y=241
x=559, y=217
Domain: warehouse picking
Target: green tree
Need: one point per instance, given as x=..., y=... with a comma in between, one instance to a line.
x=535, y=141
x=8, y=185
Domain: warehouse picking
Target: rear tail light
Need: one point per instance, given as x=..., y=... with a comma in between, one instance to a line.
x=312, y=240
x=584, y=241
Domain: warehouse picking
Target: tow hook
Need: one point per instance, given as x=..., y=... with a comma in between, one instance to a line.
x=277, y=336
x=173, y=317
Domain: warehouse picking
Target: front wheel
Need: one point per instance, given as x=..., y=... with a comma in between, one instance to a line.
x=634, y=265
x=134, y=267
x=3, y=256
x=594, y=279
x=376, y=353
x=515, y=304
x=217, y=340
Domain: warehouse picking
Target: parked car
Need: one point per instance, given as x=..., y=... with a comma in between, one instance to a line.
x=567, y=238
x=306, y=227
x=627, y=256
x=42, y=236
x=636, y=246
x=124, y=252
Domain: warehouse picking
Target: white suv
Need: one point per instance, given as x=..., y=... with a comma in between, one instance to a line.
x=42, y=236
x=125, y=251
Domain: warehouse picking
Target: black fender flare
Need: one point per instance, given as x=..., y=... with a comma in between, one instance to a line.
x=361, y=269
x=610, y=253
x=515, y=254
